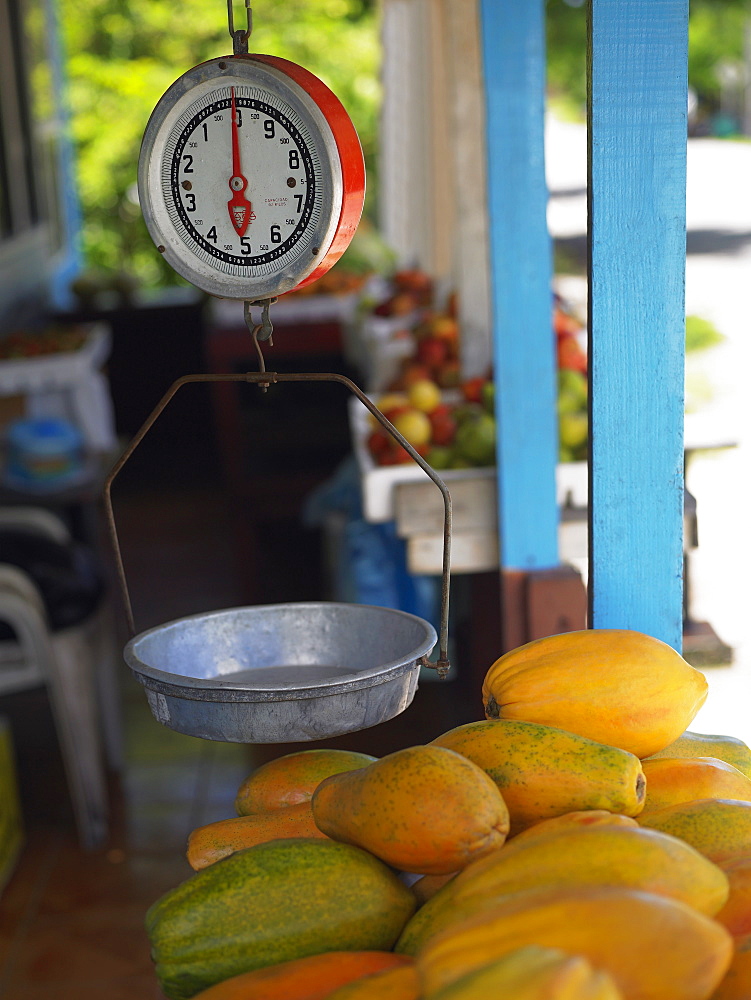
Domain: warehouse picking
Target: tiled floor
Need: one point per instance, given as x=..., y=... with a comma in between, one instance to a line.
x=72, y=922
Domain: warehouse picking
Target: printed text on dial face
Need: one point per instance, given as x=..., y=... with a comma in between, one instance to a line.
x=279, y=161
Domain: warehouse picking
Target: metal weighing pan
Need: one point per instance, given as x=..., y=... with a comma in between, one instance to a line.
x=282, y=673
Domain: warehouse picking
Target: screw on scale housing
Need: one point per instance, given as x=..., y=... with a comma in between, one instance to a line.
x=260, y=331
x=240, y=37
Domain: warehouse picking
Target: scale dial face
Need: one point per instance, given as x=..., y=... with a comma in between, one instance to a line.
x=250, y=178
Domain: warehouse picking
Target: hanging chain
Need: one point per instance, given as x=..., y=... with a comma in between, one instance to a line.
x=240, y=37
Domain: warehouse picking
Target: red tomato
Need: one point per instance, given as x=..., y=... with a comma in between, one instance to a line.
x=472, y=389
x=432, y=351
x=378, y=442
x=571, y=355
x=564, y=324
x=443, y=427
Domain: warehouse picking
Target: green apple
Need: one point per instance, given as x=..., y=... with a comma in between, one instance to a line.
x=574, y=384
x=475, y=440
x=573, y=429
x=440, y=457
x=487, y=397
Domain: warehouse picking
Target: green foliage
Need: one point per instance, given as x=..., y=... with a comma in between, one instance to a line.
x=715, y=36
x=566, y=52
x=716, y=32
x=701, y=334
x=123, y=54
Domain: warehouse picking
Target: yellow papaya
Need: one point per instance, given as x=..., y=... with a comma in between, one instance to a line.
x=601, y=856
x=671, y=780
x=583, y=819
x=293, y=778
x=615, y=686
x=543, y=771
x=532, y=973
x=719, y=828
x=736, y=913
x=424, y=809
x=736, y=984
x=654, y=948
x=635, y=858
x=392, y=984
x=728, y=748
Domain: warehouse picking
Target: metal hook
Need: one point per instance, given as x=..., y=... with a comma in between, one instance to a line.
x=265, y=327
x=240, y=38
x=260, y=331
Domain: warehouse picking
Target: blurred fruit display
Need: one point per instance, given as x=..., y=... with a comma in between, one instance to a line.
x=33, y=343
x=459, y=431
x=338, y=281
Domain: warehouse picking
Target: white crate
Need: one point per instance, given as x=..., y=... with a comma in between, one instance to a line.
x=379, y=482
x=69, y=385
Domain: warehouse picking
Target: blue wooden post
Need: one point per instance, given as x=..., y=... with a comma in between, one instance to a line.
x=513, y=41
x=69, y=260
x=637, y=177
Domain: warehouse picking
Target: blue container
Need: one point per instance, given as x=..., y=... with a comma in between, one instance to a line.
x=43, y=452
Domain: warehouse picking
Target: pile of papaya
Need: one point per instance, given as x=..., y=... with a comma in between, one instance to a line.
x=578, y=843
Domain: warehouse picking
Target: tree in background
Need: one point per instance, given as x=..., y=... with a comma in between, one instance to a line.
x=123, y=54
x=718, y=32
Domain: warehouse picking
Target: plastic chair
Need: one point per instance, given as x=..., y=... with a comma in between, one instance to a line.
x=76, y=660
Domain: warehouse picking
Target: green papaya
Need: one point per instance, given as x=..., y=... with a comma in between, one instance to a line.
x=277, y=901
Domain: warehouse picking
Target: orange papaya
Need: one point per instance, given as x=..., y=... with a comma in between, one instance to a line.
x=532, y=973
x=615, y=686
x=543, y=771
x=424, y=809
x=736, y=984
x=601, y=856
x=654, y=948
x=311, y=978
x=293, y=778
x=728, y=748
x=209, y=844
x=392, y=984
x=736, y=913
x=584, y=819
x=632, y=857
x=671, y=780
x=719, y=828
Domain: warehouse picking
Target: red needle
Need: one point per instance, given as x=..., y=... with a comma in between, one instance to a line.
x=240, y=209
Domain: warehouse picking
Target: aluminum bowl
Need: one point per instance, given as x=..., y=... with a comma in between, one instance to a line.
x=281, y=673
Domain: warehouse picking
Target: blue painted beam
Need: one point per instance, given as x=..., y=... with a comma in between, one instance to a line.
x=637, y=179
x=513, y=48
x=68, y=261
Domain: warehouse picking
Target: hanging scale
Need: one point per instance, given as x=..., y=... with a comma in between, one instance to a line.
x=251, y=181
x=251, y=176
